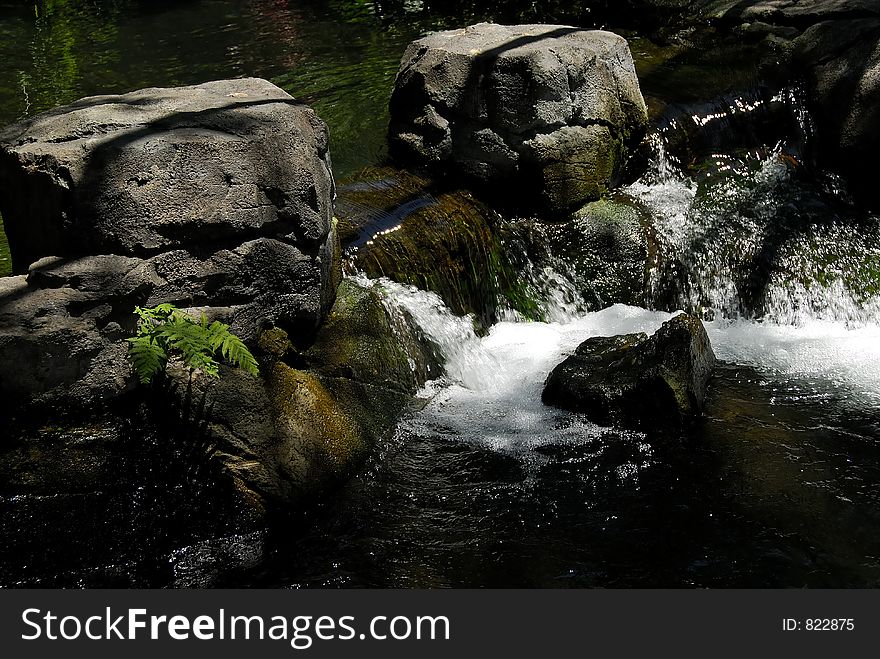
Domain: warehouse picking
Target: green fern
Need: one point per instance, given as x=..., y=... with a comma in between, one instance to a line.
x=164, y=330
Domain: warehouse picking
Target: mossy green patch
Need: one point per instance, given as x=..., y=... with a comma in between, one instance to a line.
x=306, y=410
x=361, y=341
x=451, y=247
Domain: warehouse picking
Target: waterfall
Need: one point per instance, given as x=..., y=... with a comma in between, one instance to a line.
x=749, y=222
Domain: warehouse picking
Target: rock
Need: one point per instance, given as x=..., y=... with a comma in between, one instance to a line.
x=547, y=112
x=365, y=341
x=160, y=169
x=606, y=249
x=66, y=341
x=841, y=59
x=449, y=243
x=637, y=381
x=65, y=323
x=316, y=414
x=798, y=13
x=230, y=216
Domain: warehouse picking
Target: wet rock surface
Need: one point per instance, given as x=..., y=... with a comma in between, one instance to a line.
x=606, y=249
x=315, y=414
x=637, y=381
x=405, y=228
x=546, y=111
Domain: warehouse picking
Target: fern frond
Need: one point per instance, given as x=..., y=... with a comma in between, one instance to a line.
x=147, y=357
x=216, y=333
x=237, y=354
x=164, y=329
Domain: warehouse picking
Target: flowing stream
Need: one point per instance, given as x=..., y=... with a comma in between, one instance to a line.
x=486, y=486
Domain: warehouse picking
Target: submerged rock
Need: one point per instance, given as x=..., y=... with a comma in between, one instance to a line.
x=535, y=112
x=637, y=381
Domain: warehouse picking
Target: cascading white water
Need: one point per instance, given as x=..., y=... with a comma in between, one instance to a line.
x=491, y=394
x=817, y=325
x=754, y=238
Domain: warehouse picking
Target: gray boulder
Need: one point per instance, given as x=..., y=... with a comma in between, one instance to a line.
x=160, y=169
x=216, y=197
x=546, y=111
x=64, y=324
x=637, y=381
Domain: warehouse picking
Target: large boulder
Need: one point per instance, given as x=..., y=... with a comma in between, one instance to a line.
x=637, y=381
x=216, y=197
x=160, y=169
x=543, y=113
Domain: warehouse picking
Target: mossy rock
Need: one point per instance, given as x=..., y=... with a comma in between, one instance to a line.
x=453, y=248
x=315, y=414
x=636, y=381
x=609, y=250
x=361, y=340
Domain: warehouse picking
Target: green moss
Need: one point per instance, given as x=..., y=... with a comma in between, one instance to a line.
x=451, y=248
x=361, y=341
x=274, y=341
x=308, y=411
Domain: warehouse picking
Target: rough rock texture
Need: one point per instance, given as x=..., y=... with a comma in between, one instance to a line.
x=161, y=169
x=546, y=111
x=787, y=12
x=216, y=197
x=637, y=381
x=315, y=414
x=833, y=46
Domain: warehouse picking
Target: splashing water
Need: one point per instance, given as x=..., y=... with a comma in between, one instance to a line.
x=757, y=238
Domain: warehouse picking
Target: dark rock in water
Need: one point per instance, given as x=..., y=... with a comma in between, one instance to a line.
x=536, y=112
x=160, y=169
x=637, y=381
x=606, y=249
x=841, y=59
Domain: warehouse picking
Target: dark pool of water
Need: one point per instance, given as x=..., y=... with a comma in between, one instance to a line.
x=772, y=490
